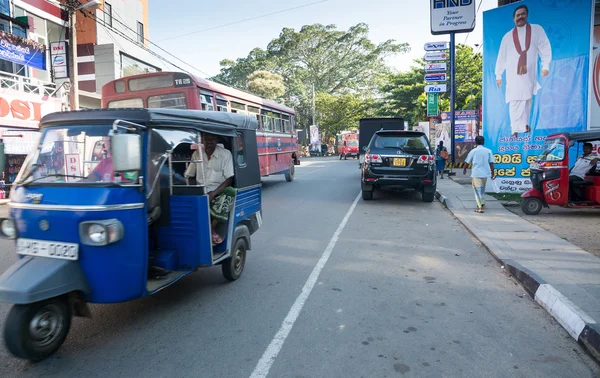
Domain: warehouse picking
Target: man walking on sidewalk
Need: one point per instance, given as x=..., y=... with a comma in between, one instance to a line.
x=482, y=169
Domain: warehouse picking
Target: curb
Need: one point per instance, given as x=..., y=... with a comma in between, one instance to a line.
x=576, y=322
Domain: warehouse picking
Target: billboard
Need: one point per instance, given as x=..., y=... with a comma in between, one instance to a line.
x=536, y=57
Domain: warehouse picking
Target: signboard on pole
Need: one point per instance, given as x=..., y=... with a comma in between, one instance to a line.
x=435, y=77
x=58, y=59
x=314, y=135
x=452, y=16
x=435, y=67
x=432, y=105
x=437, y=88
x=433, y=46
x=433, y=56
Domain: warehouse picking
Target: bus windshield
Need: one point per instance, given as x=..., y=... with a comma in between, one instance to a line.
x=73, y=154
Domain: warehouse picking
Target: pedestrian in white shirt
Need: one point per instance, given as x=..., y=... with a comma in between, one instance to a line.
x=582, y=167
x=518, y=56
x=483, y=168
x=217, y=178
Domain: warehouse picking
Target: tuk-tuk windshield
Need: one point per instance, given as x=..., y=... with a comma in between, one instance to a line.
x=553, y=150
x=352, y=143
x=73, y=154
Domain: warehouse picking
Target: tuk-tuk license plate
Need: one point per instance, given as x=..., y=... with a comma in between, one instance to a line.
x=399, y=162
x=45, y=248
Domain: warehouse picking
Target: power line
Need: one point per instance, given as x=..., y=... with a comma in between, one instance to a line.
x=244, y=20
x=473, y=24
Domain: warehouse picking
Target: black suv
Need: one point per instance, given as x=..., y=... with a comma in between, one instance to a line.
x=399, y=159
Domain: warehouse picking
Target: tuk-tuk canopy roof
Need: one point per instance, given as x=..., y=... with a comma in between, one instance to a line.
x=581, y=136
x=220, y=123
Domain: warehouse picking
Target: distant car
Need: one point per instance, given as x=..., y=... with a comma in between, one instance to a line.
x=400, y=160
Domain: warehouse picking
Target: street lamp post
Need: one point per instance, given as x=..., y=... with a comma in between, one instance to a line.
x=73, y=69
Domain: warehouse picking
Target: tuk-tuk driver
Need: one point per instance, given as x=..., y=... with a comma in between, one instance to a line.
x=582, y=167
x=218, y=164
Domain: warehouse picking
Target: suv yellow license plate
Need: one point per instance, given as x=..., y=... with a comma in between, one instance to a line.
x=399, y=162
x=45, y=248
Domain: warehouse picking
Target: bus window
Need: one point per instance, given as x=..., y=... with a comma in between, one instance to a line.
x=237, y=107
x=170, y=101
x=254, y=112
x=267, y=121
x=286, y=124
x=207, y=102
x=221, y=105
x=277, y=122
x=120, y=86
x=150, y=82
x=129, y=103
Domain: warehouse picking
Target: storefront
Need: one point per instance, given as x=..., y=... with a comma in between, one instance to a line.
x=20, y=114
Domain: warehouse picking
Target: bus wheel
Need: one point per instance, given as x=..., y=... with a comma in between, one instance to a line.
x=35, y=331
x=289, y=175
x=234, y=266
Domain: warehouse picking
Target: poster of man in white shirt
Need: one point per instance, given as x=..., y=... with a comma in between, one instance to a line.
x=520, y=50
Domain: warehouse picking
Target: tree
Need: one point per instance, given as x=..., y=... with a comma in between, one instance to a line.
x=266, y=84
x=341, y=112
x=404, y=92
x=317, y=59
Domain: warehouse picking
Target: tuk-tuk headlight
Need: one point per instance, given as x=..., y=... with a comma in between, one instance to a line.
x=103, y=232
x=8, y=229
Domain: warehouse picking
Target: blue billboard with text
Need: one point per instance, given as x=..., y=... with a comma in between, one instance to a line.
x=535, y=80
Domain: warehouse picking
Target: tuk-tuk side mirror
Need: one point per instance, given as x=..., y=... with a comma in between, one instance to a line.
x=126, y=152
x=364, y=148
x=571, y=143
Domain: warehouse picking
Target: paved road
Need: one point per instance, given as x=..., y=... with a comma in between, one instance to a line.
x=378, y=292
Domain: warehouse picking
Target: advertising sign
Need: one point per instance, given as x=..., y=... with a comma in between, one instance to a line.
x=314, y=135
x=58, y=59
x=25, y=110
x=452, y=16
x=22, y=51
x=435, y=67
x=433, y=56
x=435, y=77
x=436, y=88
x=595, y=82
x=528, y=96
x=432, y=105
x=433, y=46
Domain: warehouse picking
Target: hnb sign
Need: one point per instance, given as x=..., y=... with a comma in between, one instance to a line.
x=452, y=16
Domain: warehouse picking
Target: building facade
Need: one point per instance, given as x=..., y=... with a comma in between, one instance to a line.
x=111, y=43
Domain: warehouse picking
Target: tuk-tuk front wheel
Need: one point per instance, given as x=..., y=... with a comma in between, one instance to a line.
x=234, y=266
x=532, y=205
x=35, y=331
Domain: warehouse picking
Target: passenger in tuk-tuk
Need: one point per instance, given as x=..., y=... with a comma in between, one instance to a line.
x=584, y=164
x=218, y=184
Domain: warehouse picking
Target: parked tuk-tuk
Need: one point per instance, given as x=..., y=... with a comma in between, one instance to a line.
x=550, y=175
x=137, y=230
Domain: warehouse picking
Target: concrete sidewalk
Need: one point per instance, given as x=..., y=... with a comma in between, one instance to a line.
x=562, y=278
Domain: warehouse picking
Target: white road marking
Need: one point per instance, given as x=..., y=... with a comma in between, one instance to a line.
x=268, y=358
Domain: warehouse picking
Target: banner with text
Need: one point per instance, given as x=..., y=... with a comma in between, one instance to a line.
x=535, y=80
x=22, y=51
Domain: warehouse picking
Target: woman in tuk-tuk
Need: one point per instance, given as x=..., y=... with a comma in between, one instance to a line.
x=98, y=238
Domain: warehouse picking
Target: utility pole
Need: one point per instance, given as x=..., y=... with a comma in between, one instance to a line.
x=73, y=69
x=313, y=104
x=452, y=96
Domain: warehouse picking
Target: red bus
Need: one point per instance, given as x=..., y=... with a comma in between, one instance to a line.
x=276, y=137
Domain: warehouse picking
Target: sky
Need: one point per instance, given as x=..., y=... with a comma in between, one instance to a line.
x=401, y=20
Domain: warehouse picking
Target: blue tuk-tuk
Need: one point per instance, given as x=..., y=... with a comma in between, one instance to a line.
x=138, y=229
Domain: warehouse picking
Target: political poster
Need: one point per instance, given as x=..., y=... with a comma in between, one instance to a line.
x=536, y=56
x=314, y=135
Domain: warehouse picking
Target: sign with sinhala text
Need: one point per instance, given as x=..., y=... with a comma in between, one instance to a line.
x=432, y=105
x=452, y=16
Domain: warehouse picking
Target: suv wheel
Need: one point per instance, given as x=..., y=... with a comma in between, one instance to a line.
x=428, y=195
x=367, y=195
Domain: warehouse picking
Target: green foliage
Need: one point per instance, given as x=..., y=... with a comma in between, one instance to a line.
x=266, y=84
x=341, y=112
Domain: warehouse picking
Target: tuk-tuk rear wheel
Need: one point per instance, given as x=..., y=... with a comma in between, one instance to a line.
x=35, y=331
x=532, y=205
x=234, y=266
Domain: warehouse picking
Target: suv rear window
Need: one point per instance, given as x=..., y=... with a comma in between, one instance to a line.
x=411, y=144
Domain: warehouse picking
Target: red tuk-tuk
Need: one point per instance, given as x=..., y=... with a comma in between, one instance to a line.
x=550, y=175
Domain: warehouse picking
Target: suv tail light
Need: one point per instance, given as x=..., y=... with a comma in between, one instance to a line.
x=373, y=158
x=426, y=159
